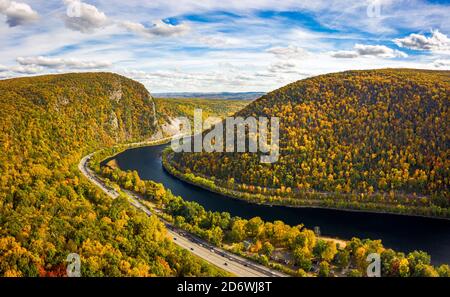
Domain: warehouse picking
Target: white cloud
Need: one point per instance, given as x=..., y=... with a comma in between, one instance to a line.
x=363, y=50
x=345, y=54
x=255, y=46
x=442, y=63
x=285, y=67
x=4, y=4
x=159, y=28
x=20, y=69
x=290, y=52
x=378, y=51
x=84, y=17
x=29, y=69
x=409, y=14
x=55, y=63
x=40, y=60
x=17, y=13
x=219, y=41
x=436, y=42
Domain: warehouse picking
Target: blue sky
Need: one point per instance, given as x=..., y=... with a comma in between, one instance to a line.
x=211, y=46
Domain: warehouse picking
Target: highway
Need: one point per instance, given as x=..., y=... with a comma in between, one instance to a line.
x=225, y=260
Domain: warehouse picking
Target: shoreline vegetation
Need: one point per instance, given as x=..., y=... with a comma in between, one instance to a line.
x=370, y=140
x=48, y=209
x=295, y=250
x=311, y=200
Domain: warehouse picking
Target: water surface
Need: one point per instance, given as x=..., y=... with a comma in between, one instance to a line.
x=402, y=233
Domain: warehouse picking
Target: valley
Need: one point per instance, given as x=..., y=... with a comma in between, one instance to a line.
x=362, y=140
x=224, y=148
x=333, y=246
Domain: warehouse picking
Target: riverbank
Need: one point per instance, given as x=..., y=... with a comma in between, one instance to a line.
x=237, y=266
x=326, y=203
x=215, y=225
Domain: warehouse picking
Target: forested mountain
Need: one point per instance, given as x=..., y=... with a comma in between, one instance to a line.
x=168, y=109
x=356, y=139
x=47, y=210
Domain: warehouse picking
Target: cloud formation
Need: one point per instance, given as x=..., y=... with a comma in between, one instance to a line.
x=159, y=28
x=284, y=67
x=20, y=69
x=345, y=54
x=83, y=17
x=363, y=50
x=56, y=63
x=17, y=13
x=232, y=45
x=290, y=52
x=442, y=63
x=436, y=42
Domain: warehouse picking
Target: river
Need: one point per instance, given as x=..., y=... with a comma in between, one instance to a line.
x=401, y=233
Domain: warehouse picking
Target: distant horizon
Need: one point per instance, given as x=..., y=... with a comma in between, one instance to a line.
x=181, y=92
x=209, y=95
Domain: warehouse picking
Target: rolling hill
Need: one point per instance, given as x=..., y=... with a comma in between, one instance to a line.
x=374, y=140
x=47, y=209
x=169, y=109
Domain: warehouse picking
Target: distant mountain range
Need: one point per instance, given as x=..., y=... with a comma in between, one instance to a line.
x=222, y=95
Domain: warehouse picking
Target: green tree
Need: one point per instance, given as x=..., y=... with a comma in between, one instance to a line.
x=303, y=258
x=255, y=227
x=267, y=249
x=238, y=230
x=324, y=269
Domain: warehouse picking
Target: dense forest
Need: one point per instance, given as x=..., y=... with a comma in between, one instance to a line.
x=374, y=140
x=169, y=108
x=47, y=209
x=294, y=250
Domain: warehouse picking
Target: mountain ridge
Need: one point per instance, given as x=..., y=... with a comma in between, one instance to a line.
x=375, y=133
x=47, y=209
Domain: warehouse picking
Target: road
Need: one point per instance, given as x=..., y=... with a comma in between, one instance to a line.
x=225, y=260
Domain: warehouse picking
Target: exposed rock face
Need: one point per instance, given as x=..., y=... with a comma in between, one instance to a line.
x=158, y=135
x=172, y=127
x=155, y=118
x=116, y=95
x=113, y=121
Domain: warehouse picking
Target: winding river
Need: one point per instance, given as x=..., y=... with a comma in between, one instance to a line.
x=402, y=233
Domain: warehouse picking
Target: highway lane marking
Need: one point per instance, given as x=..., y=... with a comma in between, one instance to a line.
x=232, y=264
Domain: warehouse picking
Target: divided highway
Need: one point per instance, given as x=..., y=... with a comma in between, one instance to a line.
x=225, y=260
